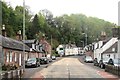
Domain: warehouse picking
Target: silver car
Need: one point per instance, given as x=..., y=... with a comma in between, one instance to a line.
x=88, y=59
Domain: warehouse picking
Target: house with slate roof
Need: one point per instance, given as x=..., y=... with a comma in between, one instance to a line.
x=111, y=52
x=13, y=51
x=46, y=47
x=36, y=49
x=107, y=47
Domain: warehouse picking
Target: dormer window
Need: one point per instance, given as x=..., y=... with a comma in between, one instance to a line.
x=33, y=46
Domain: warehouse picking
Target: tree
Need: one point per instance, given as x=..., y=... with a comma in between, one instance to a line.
x=34, y=28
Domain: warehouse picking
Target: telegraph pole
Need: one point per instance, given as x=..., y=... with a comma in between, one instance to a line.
x=119, y=29
x=23, y=33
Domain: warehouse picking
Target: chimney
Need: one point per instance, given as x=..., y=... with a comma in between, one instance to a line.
x=103, y=35
x=19, y=36
x=4, y=31
x=115, y=32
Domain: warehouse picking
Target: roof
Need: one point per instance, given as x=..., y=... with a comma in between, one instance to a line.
x=110, y=50
x=29, y=41
x=105, y=41
x=13, y=44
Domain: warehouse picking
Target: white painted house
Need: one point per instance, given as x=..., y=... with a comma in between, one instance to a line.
x=102, y=46
x=111, y=52
x=60, y=50
x=71, y=51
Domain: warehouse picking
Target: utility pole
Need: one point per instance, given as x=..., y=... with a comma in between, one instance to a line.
x=23, y=34
x=51, y=46
x=83, y=43
x=119, y=29
x=1, y=49
x=86, y=39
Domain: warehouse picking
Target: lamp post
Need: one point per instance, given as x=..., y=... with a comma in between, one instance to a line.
x=3, y=30
x=83, y=43
x=85, y=38
x=23, y=34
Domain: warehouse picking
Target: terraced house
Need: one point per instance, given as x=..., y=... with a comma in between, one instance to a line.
x=12, y=52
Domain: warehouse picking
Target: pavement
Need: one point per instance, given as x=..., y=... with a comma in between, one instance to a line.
x=69, y=68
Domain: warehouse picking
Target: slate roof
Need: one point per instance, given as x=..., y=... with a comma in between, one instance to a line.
x=13, y=44
x=33, y=41
x=29, y=41
x=109, y=50
x=105, y=41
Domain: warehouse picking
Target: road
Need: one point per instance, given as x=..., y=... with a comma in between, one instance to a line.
x=88, y=64
x=31, y=71
x=68, y=68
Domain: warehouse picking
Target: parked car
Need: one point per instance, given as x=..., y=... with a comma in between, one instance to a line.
x=110, y=62
x=116, y=62
x=95, y=62
x=49, y=59
x=53, y=58
x=102, y=63
x=44, y=60
x=88, y=59
x=32, y=62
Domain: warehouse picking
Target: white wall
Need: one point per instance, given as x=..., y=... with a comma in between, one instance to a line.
x=110, y=55
x=118, y=48
x=109, y=44
x=61, y=52
x=97, y=52
x=71, y=51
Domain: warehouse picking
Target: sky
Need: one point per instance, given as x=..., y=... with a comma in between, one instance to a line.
x=103, y=9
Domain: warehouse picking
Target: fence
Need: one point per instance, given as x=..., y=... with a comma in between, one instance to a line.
x=113, y=69
x=12, y=74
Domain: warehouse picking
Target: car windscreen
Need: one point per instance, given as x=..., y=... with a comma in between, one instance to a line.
x=88, y=57
x=31, y=60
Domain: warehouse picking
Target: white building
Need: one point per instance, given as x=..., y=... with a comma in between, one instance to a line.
x=60, y=50
x=102, y=46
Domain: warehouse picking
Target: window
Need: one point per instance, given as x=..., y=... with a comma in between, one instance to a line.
x=61, y=48
x=15, y=57
x=7, y=56
x=11, y=56
x=20, y=59
x=113, y=49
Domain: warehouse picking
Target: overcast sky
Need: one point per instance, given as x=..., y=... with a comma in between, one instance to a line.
x=103, y=9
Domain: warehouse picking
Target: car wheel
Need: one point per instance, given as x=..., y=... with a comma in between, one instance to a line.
x=39, y=65
x=36, y=65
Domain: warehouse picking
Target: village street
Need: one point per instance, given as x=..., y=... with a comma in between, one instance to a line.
x=69, y=68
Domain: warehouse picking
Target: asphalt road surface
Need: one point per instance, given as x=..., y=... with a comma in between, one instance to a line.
x=68, y=68
x=31, y=71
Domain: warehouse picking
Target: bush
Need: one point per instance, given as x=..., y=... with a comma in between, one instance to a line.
x=4, y=68
x=8, y=67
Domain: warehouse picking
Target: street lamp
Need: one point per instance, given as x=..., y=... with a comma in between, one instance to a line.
x=3, y=30
x=83, y=43
x=85, y=38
